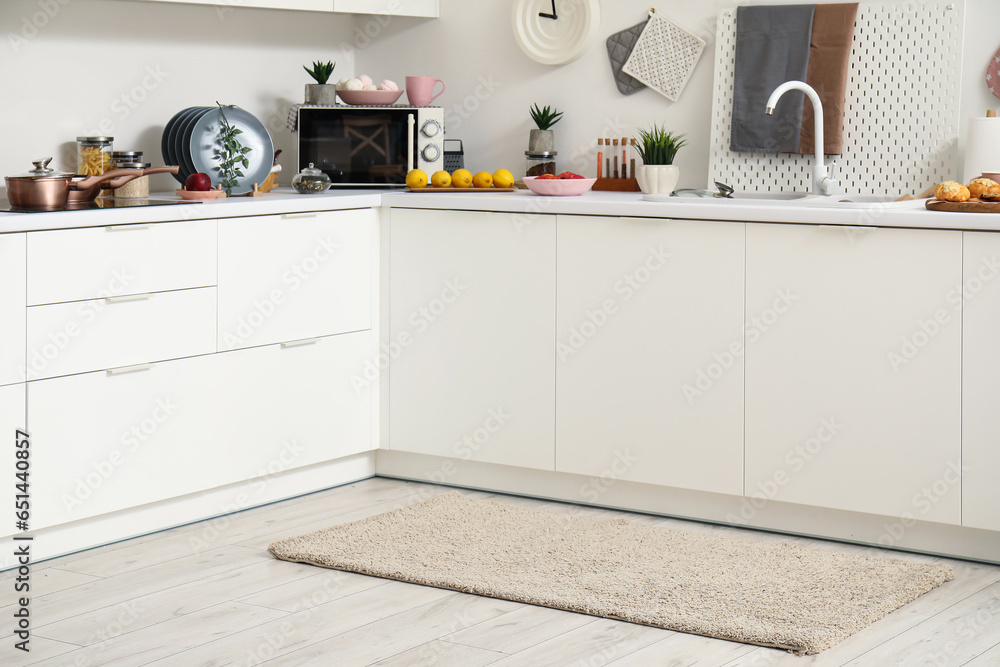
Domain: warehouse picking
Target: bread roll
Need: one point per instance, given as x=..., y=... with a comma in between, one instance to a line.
x=952, y=191
x=978, y=186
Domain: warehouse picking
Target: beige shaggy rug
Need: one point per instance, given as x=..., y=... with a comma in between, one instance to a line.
x=737, y=588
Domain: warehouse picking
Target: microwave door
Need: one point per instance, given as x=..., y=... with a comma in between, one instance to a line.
x=364, y=146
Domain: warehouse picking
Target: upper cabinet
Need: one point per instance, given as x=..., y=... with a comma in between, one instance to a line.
x=425, y=8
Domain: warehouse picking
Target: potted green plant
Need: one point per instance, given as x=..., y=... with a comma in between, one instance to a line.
x=321, y=92
x=543, y=140
x=657, y=147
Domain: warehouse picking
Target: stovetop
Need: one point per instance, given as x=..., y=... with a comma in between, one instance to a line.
x=5, y=206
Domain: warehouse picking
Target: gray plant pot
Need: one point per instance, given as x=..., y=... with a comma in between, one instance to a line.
x=541, y=141
x=321, y=93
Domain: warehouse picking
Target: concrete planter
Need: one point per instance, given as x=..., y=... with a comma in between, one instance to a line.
x=542, y=141
x=321, y=93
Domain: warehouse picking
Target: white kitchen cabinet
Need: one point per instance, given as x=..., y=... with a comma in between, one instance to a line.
x=12, y=420
x=470, y=348
x=649, y=356
x=108, y=441
x=12, y=301
x=223, y=7
x=81, y=336
x=425, y=8
x=853, y=369
x=101, y=262
x=293, y=276
x=980, y=296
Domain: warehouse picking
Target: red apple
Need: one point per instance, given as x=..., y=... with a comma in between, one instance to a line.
x=198, y=182
x=569, y=174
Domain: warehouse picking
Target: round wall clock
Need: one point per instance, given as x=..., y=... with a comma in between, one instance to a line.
x=555, y=32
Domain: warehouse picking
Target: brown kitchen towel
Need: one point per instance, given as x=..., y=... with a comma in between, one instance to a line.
x=829, y=58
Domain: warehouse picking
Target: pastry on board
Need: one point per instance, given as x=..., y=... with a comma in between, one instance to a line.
x=979, y=186
x=952, y=191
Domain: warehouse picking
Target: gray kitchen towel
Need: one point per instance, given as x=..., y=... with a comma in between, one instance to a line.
x=772, y=46
x=620, y=47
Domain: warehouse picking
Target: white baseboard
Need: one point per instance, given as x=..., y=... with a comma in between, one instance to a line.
x=116, y=526
x=771, y=515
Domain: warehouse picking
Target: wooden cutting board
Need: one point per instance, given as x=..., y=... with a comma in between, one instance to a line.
x=971, y=206
x=431, y=188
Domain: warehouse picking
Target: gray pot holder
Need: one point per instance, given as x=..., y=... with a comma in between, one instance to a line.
x=620, y=46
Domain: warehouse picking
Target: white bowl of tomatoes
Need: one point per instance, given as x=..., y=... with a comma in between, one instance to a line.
x=566, y=184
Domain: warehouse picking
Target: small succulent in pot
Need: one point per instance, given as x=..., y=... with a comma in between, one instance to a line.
x=542, y=139
x=321, y=92
x=657, y=147
x=321, y=71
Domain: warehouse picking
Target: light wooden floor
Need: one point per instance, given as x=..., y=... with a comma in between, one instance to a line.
x=210, y=594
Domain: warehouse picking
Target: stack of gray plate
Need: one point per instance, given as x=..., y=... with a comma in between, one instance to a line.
x=191, y=140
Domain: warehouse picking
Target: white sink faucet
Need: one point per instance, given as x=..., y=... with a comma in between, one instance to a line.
x=823, y=183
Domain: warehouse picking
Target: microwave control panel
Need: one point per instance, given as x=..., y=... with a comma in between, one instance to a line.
x=430, y=139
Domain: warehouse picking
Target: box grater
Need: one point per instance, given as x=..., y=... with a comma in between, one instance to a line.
x=453, y=159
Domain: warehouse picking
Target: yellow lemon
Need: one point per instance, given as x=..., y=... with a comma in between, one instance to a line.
x=461, y=178
x=417, y=178
x=483, y=179
x=441, y=179
x=503, y=178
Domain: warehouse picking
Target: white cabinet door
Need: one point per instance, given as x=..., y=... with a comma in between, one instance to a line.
x=294, y=276
x=12, y=308
x=426, y=8
x=12, y=420
x=649, y=356
x=472, y=324
x=853, y=369
x=104, y=442
x=980, y=295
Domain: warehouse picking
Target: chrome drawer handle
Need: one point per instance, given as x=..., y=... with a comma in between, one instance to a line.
x=128, y=297
x=295, y=216
x=126, y=228
x=299, y=343
x=129, y=369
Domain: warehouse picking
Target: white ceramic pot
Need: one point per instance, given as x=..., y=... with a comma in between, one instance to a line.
x=657, y=179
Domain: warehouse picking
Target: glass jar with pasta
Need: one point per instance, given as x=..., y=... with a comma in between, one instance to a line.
x=93, y=155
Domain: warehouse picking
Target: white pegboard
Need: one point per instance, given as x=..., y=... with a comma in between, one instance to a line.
x=901, y=120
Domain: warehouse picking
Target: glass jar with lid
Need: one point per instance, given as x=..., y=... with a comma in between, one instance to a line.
x=137, y=187
x=93, y=155
x=540, y=162
x=310, y=181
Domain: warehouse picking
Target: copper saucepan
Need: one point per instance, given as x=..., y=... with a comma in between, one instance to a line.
x=45, y=188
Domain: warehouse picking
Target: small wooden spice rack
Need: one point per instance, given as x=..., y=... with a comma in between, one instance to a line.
x=616, y=185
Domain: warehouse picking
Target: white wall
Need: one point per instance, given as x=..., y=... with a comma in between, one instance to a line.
x=125, y=68
x=472, y=43
x=68, y=75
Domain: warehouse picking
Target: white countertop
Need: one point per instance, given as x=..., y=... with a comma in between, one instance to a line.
x=618, y=204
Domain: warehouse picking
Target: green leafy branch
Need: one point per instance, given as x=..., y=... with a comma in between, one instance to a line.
x=232, y=153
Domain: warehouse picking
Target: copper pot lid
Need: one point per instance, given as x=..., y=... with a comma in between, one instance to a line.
x=42, y=171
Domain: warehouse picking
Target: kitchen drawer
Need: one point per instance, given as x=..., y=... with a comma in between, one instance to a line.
x=12, y=290
x=83, y=336
x=106, y=442
x=77, y=264
x=12, y=416
x=302, y=275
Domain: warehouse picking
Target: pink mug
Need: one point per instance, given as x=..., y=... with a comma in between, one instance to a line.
x=420, y=90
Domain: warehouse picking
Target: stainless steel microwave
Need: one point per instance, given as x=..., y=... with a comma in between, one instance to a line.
x=371, y=146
